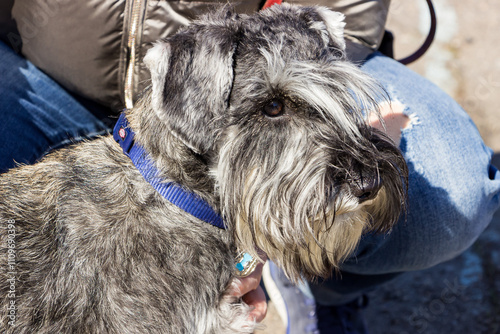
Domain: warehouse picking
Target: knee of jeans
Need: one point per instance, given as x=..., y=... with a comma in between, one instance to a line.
x=456, y=241
x=463, y=223
x=445, y=225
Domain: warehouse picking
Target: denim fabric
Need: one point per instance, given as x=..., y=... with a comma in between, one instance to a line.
x=36, y=113
x=453, y=189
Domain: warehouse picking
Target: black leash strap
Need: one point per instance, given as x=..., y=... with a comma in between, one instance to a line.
x=428, y=41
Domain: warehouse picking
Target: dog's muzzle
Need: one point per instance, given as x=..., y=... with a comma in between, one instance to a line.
x=366, y=188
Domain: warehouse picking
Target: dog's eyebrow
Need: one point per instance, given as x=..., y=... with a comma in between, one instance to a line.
x=237, y=37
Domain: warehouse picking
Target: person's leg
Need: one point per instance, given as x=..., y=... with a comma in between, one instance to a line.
x=36, y=113
x=453, y=189
x=453, y=192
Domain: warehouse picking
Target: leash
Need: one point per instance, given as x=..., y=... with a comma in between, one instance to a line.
x=428, y=41
x=174, y=193
x=270, y=3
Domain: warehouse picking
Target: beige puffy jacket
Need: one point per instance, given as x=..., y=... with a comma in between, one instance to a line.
x=95, y=47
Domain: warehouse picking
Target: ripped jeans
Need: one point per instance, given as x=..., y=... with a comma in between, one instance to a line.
x=37, y=114
x=453, y=188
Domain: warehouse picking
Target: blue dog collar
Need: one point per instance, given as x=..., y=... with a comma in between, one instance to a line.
x=174, y=193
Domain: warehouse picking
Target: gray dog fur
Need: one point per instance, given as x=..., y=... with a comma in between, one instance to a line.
x=260, y=115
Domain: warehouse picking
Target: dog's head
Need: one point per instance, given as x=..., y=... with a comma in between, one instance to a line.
x=280, y=114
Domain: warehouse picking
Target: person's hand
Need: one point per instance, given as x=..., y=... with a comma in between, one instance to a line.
x=251, y=292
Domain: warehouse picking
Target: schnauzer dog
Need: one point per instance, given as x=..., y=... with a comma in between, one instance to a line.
x=253, y=123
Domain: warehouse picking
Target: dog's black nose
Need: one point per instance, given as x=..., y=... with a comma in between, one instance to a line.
x=366, y=188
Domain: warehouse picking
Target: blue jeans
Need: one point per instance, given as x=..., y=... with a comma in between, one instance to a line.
x=453, y=190
x=37, y=114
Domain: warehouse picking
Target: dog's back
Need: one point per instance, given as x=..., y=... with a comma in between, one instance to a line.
x=87, y=247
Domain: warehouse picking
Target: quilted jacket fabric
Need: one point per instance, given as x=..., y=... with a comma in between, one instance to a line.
x=94, y=48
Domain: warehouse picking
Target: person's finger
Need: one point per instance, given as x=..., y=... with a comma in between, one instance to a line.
x=249, y=283
x=256, y=299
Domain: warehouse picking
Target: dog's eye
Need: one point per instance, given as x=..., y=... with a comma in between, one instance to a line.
x=274, y=108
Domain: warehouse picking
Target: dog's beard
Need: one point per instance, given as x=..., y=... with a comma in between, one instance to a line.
x=279, y=195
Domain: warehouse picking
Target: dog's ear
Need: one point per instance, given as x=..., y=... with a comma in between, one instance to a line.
x=192, y=76
x=333, y=25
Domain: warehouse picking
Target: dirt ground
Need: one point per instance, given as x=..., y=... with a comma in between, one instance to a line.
x=462, y=295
